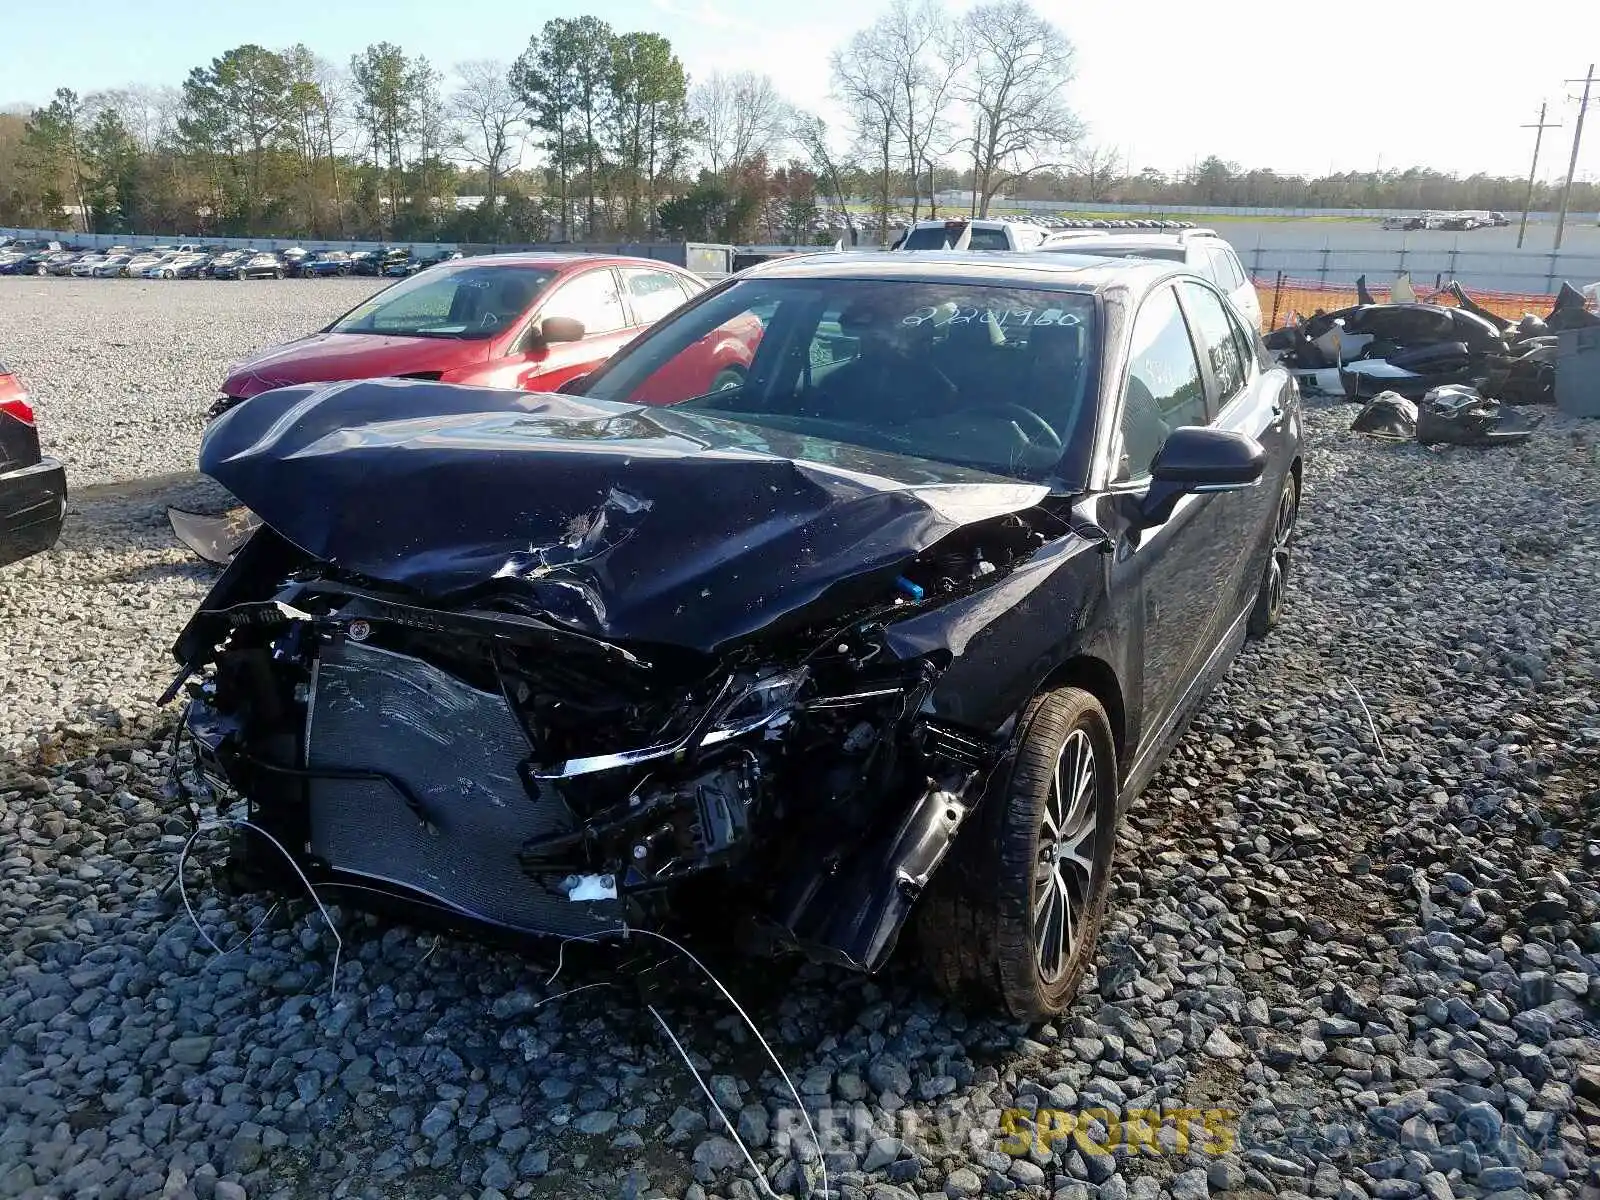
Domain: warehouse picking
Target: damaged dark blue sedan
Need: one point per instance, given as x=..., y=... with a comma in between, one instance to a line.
x=877, y=637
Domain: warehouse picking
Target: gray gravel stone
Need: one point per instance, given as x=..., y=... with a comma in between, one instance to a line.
x=1192, y=1184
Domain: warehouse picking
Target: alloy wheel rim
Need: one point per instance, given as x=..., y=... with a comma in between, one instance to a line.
x=1065, y=865
x=1282, y=533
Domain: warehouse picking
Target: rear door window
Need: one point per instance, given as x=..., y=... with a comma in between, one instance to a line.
x=1225, y=270
x=653, y=294
x=1217, y=335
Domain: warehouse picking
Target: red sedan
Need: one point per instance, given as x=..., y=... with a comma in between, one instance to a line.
x=529, y=321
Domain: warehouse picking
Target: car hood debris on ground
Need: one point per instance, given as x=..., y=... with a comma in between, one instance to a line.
x=1413, y=348
x=1452, y=415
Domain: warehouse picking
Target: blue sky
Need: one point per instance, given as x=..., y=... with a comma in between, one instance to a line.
x=1301, y=85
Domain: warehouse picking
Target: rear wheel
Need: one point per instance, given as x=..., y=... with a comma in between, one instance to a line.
x=1274, y=581
x=1018, y=917
x=278, y=274
x=728, y=379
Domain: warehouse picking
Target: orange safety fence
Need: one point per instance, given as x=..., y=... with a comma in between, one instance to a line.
x=1281, y=297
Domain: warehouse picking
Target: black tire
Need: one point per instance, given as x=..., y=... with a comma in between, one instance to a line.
x=277, y=274
x=982, y=923
x=1275, y=577
x=728, y=379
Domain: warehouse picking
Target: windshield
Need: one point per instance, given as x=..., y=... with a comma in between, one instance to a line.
x=995, y=377
x=934, y=237
x=470, y=302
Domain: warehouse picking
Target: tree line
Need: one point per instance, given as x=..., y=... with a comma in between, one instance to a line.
x=591, y=133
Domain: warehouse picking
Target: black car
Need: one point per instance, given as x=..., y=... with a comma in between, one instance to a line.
x=33, y=489
x=196, y=266
x=262, y=265
x=221, y=263
x=62, y=263
x=937, y=581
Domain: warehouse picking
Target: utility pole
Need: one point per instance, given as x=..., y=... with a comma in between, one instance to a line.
x=1572, y=166
x=1527, y=200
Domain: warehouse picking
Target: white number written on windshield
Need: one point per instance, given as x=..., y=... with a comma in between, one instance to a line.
x=958, y=314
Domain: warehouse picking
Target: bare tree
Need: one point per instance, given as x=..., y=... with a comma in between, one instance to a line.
x=336, y=102
x=810, y=133
x=148, y=113
x=1095, y=168
x=864, y=80
x=737, y=117
x=487, y=113
x=924, y=54
x=1021, y=65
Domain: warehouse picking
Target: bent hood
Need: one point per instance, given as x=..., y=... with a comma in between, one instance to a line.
x=623, y=522
x=329, y=357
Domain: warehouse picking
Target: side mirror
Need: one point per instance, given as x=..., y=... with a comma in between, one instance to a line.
x=1197, y=460
x=560, y=329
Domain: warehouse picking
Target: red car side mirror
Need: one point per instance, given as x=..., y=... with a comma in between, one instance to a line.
x=560, y=329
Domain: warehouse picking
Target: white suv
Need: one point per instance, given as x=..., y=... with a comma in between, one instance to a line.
x=958, y=233
x=1201, y=250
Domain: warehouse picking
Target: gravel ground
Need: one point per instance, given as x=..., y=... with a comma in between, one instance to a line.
x=1381, y=952
x=123, y=370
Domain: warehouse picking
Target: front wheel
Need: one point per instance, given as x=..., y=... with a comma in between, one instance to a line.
x=1017, y=917
x=277, y=274
x=1275, y=578
x=728, y=379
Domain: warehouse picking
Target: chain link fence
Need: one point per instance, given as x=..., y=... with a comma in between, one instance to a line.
x=1282, y=295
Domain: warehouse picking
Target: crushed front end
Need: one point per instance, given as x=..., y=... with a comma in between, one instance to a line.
x=636, y=658
x=486, y=763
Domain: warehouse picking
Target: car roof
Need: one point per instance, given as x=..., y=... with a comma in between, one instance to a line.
x=560, y=260
x=1074, y=270
x=1109, y=237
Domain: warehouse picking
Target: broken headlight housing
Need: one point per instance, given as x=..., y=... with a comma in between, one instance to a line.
x=759, y=703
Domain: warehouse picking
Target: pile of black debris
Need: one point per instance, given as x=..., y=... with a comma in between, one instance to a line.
x=1451, y=415
x=1412, y=349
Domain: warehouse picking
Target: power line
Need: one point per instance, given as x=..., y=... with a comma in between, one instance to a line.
x=1572, y=166
x=1527, y=200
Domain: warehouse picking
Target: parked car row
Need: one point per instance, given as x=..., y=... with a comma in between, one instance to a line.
x=834, y=219
x=1460, y=221
x=195, y=261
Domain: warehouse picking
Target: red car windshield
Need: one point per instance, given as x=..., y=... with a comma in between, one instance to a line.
x=467, y=303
